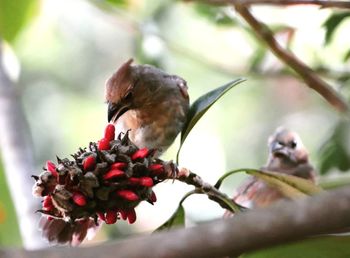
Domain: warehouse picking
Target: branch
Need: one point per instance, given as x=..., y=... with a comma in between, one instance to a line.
x=283, y=222
x=213, y=193
x=321, y=3
x=305, y=72
x=17, y=157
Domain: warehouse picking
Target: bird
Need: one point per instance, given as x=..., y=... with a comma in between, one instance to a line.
x=149, y=103
x=287, y=155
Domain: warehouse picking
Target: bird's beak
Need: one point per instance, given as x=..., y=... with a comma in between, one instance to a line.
x=116, y=110
x=279, y=150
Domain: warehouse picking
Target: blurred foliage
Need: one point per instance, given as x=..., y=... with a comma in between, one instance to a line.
x=335, y=152
x=14, y=15
x=66, y=58
x=332, y=23
x=9, y=231
x=217, y=14
x=313, y=247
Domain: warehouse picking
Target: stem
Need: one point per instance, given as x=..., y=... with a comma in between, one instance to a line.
x=190, y=178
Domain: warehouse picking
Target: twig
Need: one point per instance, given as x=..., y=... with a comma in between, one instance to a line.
x=308, y=75
x=188, y=177
x=321, y=3
x=283, y=222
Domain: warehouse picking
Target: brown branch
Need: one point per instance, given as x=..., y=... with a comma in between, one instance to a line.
x=321, y=3
x=283, y=222
x=305, y=72
x=17, y=156
x=203, y=187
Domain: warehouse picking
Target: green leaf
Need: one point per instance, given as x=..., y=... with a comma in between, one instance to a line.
x=177, y=219
x=14, y=15
x=290, y=186
x=201, y=106
x=315, y=247
x=332, y=23
x=335, y=152
x=346, y=56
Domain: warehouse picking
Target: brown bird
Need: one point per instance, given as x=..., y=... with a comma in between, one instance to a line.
x=150, y=103
x=288, y=155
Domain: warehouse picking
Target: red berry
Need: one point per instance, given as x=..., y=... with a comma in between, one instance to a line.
x=51, y=167
x=110, y=132
x=131, y=214
x=156, y=169
x=47, y=203
x=103, y=144
x=89, y=163
x=111, y=217
x=119, y=165
x=115, y=173
x=153, y=197
x=140, y=154
x=79, y=199
x=101, y=215
x=146, y=181
x=134, y=180
x=127, y=195
x=123, y=214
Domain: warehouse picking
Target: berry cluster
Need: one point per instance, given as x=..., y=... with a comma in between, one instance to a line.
x=104, y=183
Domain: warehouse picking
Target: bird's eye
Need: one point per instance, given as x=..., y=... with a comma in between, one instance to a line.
x=293, y=144
x=128, y=96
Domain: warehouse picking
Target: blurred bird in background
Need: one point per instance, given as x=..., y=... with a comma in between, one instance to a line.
x=287, y=155
x=150, y=103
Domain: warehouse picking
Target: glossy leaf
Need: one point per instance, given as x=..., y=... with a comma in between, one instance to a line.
x=320, y=247
x=335, y=152
x=332, y=23
x=202, y=105
x=176, y=220
x=14, y=15
x=290, y=186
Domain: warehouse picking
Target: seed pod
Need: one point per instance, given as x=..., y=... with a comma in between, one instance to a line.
x=127, y=195
x=131, y=214
x=119, y=165
x=51, y=167
x=47, y=203
x=115, y=173
x=140, y=154
x=110, y=132
x=123, y=214
x=103, y=144
x=146, y=181
x=101, y=215
x=89, y=163
x=134, y=181
x=79, y=199
x=156, y=169
x=153, y=197
x=111, y=217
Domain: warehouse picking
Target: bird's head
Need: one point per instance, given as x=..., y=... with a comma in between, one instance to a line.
x=119, y=91
x=286, y=146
